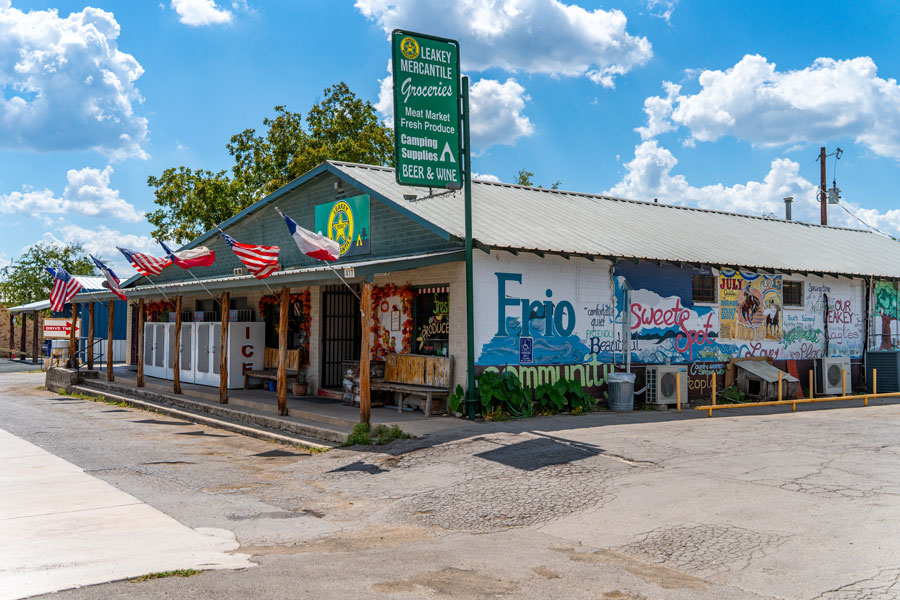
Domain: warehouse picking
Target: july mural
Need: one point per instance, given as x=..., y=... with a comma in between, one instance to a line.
x=750, y=306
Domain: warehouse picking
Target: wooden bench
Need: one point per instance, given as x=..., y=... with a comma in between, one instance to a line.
x=270, y=367
x=416, y=375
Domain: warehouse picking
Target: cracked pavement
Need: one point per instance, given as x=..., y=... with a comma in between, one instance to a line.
x=799, y=505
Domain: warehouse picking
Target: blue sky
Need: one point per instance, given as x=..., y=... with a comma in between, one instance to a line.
x=714, y=104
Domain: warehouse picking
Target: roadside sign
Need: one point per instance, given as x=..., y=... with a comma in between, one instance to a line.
x=60, y=328
x=426, y=110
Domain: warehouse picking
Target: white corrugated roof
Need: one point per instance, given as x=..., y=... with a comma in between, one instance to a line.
x=525, y=218
x=88, y=284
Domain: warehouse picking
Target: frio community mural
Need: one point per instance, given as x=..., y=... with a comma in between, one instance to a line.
x=550, y=317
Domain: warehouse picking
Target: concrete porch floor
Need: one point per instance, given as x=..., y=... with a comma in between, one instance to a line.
x=311, y=408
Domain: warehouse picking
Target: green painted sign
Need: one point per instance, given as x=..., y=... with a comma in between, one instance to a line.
x=426, y=110
x=346, y=222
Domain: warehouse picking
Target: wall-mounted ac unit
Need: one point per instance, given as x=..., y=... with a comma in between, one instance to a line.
x=829, y=374
x=661, y=384
x=238, y=271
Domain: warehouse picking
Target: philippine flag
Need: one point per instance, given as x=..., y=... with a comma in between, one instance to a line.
x=311, y=243
x=201, y=256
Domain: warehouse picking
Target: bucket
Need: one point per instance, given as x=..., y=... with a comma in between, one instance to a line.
x=621, y=391
x=273, y=385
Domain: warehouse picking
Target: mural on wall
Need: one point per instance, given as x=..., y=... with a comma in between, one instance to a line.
x=884, y=307
x=749, y=306
x=550, y=318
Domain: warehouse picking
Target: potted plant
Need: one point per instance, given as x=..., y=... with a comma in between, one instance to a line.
x=301, y=385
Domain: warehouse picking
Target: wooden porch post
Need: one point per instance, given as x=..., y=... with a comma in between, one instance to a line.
x=223, y=351
x=365, y=398
x=176, y=360
x=282, y=350
x=109, y=342
x=73, y=359
x=34, y=336
x=90, y=348
x=140, y=344
x=12, y=334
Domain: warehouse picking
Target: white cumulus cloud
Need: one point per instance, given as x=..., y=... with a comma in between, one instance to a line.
x=65, y=85
x=532, y=36
x=87, y=193
x=198, y=13
x=486, y=177
x=650, y=175
x=102, y=243
x=753, y=101
x=497, y=111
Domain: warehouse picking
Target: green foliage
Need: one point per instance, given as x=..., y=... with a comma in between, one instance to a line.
x=732, y=395
x=364, y=435
x=504, y=391
x=502, y=397
x=886, y=299
x=163, y=574
x=456, y=400
x=563, y=395
x=524, y=177
x=339, y=127
x=26, y=279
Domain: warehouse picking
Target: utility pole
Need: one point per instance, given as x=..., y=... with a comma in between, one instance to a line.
x=823, y=193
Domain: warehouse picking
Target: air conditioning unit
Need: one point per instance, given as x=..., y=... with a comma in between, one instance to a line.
x=662, y=384
x=238, y=271
x=829, y=374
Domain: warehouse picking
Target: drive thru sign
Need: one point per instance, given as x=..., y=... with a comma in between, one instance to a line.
x=60, y=328
x=426, y=110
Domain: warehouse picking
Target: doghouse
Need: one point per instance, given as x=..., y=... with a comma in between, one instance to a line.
x=759, y=381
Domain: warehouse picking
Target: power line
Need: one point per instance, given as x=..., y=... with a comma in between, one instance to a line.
x=847, y=210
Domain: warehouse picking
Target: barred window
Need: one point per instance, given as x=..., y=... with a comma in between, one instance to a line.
x=703, y=289
x=793, y=293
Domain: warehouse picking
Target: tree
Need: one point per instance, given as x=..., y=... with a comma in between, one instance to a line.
x=886, y=307
x=339, y=127
x=26, y=279
x=524, y=178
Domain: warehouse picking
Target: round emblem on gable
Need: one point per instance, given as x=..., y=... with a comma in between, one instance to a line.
x=409, y=47
x=340, y=225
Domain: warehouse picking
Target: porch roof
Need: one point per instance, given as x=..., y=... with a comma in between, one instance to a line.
x=318, y=275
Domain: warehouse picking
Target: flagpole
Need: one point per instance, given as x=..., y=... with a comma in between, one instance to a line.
x=203, y=286
x=159, y=289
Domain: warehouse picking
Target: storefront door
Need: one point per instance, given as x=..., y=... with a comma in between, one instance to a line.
x=340, y=333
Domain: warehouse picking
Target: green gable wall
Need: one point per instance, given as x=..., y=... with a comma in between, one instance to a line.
x=392, y=234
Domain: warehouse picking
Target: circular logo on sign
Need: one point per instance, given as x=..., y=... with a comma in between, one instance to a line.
x=340, y=225
x=409, y=48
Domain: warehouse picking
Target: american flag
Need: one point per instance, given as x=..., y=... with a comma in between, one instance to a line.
x=145, y=264
x=261, y=261
x=64, y=287
x=112, y=280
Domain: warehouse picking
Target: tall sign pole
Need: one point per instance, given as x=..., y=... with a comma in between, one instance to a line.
x=431, y=139
x=470, y=293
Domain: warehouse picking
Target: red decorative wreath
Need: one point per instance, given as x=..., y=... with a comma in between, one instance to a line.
x=379, y=298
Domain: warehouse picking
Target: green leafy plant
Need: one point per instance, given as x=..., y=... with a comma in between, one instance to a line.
x=563, y=395
x=732, y=395
x=503, y=391
x=456, y=399
x=365, y=435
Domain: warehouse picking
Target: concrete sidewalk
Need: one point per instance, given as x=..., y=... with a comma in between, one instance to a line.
x=61, y=528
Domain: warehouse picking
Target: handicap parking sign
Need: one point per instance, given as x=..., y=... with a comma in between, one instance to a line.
x=526, y=348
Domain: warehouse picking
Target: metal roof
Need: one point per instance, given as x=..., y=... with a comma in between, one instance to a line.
x=88, y=285
x=765, y=371
x=506, y=216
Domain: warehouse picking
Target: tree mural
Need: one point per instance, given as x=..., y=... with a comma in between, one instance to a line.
x=886, y=308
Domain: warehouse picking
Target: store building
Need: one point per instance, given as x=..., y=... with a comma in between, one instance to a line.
x=565, y=284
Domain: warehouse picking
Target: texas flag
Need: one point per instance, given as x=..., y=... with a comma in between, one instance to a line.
x=311, y=243
x=112, y=282
x=201, y=256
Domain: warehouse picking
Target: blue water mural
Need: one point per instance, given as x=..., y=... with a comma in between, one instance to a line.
x=548, y=349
